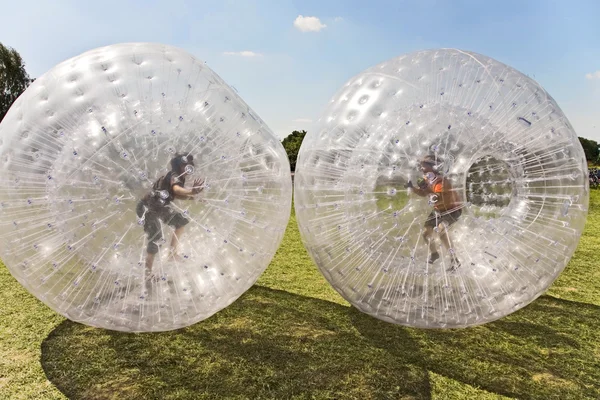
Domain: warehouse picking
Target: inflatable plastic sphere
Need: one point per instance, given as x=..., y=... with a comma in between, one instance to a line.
x=441, y=189
x=138, y=191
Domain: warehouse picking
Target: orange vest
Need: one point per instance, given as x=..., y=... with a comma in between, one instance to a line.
x=444, y=197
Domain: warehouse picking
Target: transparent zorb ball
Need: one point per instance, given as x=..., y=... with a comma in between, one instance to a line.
x=441, y=189
x=82, y=154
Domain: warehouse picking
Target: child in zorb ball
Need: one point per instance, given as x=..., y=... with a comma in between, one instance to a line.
x=447, y=208
x=154, y=207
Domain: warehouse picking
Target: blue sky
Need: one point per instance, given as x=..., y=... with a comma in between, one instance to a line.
x=287, y=72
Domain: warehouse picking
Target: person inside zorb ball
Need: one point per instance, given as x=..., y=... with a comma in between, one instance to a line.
x=138, y=191
x=447, y=209
x=154, y=208
x=441, y=189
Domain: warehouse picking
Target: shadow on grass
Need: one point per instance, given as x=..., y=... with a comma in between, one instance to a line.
x=274, y=344
x=268, y=344
x=549, y=350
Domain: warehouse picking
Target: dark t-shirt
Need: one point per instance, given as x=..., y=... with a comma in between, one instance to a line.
x=162, y=191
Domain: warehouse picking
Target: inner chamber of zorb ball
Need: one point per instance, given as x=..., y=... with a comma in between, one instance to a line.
x=503, y=148
x=88, y=140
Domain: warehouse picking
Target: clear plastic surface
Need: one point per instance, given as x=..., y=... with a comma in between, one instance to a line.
x=87, y=227
x=441, y=189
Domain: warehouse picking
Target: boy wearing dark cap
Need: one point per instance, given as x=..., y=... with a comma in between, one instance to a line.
x=154, y=207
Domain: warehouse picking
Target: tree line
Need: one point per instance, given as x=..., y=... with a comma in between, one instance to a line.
x=292, y=143
x=590, y=148
x=13, y=78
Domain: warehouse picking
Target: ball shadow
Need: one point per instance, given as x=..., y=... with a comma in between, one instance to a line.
x=547, y=350
x=269, y=344
x=274, y=344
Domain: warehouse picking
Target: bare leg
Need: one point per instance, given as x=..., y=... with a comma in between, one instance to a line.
x=149, y=262
x=428, y=236
x=149, y=275
x=153, y=229
x=445, y=238
x=175, y=239
x=175, y=242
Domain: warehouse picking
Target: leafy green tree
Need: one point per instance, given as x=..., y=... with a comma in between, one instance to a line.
x=291, y=144
x=590, y=148
x=13, y=78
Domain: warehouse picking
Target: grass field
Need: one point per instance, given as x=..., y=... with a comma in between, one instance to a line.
x=292, y=336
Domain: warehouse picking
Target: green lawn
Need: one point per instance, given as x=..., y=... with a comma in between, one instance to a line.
x=292, y=336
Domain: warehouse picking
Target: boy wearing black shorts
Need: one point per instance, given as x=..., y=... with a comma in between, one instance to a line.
x=447, y=208
x=154, y=207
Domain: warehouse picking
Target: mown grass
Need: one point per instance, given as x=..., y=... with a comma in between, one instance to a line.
x=293, y=337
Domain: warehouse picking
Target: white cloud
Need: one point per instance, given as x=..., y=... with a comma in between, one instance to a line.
x=593, y=75
x=308, y=24
x=302, y=120
x=245, y=53
x=338, y=19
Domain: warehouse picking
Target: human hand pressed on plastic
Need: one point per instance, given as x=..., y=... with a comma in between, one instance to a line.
x=198, y=186
x=422, y=184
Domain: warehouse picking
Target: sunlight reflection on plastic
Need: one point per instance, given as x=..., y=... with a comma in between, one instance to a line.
x=86, y=222
x=441, y=189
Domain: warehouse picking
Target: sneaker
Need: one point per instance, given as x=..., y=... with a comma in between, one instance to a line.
x=175, y=258
x=433, y=256
x=152, y=279
x=454, y=264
